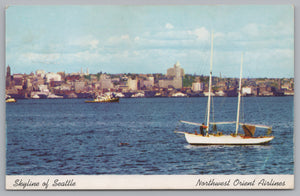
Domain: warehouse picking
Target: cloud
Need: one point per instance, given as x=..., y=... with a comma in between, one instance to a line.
x=51, y=58
x=118, y=39
x=169, y=26
x=263, y=62
x=202, y=33
x=85, y=43
x=252, y=29
x=137, y=53
x=125, y=37
x=175, y=39
x=219, y=35
x=137, y=38
x=93, y=44
x=264, y=46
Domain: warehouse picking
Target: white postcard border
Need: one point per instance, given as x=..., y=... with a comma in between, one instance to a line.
x=10, y=178
x=148, y=182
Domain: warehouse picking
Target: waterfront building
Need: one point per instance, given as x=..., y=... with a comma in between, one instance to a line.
x=266, y=93
x=221, y=84
x=165, y=83
x=53, y=77
x=174, y=82
x=62, y=75
x=123, y=88
x=97, y=85
x=64, y=87
x=106, y=82
x=220, y=93
x=177, y=82
x=28, y=83
x=197, y=86
x=279, y=84
x=40, y=73
x=18, y=81
x=286, y=85
x=43, y=88
x=39, y=80
x=55, y=83
x=79, y=86
x=132, y=84
x=246, y=91
x=255, y=91
x=147, y=83
x=289, y=93
x=115, y=80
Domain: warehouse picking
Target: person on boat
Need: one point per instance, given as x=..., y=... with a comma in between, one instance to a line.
x=201, y=129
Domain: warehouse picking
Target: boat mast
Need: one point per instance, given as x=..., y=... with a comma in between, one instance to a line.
x=209, y=86
x=239, y=98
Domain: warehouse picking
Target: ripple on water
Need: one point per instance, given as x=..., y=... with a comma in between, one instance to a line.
x=76, y=138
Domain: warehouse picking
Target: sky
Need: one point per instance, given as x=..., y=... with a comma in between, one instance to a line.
x=151, y=39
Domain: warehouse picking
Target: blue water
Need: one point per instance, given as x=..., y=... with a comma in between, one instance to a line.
x=68, y=136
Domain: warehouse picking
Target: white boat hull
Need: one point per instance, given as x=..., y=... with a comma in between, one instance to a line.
x=225, y=140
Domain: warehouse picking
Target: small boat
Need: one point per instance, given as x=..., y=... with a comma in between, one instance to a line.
x=218, y=138
x=138, y=95
x=179, y=94
x=53, y=96
x=103, y=99
x=9, y=99
x=35, y=96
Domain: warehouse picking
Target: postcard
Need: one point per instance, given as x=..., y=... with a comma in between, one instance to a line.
x=149, y=97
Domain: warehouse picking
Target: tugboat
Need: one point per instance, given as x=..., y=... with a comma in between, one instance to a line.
x=9, y=99
x=104, y=99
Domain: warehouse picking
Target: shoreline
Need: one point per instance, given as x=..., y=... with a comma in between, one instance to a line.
x=155, y=97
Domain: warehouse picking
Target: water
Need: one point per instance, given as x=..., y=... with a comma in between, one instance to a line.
x=68, y=136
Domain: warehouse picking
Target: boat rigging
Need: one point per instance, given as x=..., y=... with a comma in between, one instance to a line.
x=220, y=139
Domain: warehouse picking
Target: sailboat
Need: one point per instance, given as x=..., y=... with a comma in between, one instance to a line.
x=220, y=139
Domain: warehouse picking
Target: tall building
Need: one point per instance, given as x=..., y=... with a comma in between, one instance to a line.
x=132, y=84
x=176, y=71
x=8, y=76
x=174, y=77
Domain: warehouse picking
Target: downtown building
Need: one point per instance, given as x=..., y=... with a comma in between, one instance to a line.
x=173, y=77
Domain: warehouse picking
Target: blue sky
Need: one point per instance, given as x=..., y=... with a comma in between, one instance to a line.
x=150, y=39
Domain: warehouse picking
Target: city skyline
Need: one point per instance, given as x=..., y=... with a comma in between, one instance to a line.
x=87, y=72
x=150, y=39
